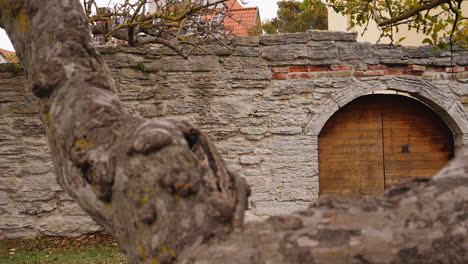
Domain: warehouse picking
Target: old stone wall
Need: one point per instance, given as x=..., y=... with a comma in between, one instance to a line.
x=263, y=102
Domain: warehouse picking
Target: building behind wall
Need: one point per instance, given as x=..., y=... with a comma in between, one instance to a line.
x=239, y=20
x=339, y=22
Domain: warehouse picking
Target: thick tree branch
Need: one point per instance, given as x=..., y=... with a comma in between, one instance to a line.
x=157, y=185
x=415, y=10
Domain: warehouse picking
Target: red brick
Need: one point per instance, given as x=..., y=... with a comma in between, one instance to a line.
x=466, y=68
x=454, y=69
x=280, y=70
x=318, y=68
x=438, y=69
x=393, y=72
x=298, y=69
x=280, y=76
x=413, y=73
x=377, y=67
x=342, y=68
x=293, y=76
x=304, y=76
x=368, y=73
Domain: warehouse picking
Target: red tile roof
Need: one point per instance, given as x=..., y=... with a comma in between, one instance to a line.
x=233, y=4
x=241, y=21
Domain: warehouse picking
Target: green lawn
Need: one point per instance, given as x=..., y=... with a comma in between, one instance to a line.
x=89, y=249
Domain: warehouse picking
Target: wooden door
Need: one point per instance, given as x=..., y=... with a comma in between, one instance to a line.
x=379, y=140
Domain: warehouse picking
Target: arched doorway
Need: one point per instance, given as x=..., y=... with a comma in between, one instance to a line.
x=376, y=141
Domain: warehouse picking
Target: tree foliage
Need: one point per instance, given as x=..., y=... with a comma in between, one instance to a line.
x=294, y=16
x=442, y=21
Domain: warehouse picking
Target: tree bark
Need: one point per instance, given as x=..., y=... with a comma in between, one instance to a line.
x=156, y=185
x=163, y=191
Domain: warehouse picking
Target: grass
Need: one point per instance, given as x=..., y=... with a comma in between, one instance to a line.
x=90, y=249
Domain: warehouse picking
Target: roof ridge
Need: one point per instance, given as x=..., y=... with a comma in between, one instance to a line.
x=244, y=8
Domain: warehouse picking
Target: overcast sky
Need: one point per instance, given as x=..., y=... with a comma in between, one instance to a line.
x=267, y=10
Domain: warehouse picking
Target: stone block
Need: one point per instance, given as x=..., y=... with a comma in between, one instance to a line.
x=286, y=171
x=3, y=198
x=321, y=35
x=187, y=107
x=246, y=68
x=286, y=130
x=322, y=50
x=301, y=191
x=388, y=54
x=179, y=64
x=252, y=175
x=294, y=156
x=277, y=208
x=246, y=51
x=462, y=59
x=407, y=84
x=413, y=67
x=447, y=61
x=250, y=160
x=33, y=196
x=70, y=209
x=246, y=41
x=254, y=130
x=121, y=60
x=293, y=118
x=290, y=87
x=67, y=226
x=284, y=52
x=14, y=223
x=10, y=183
x=354, y=51
x=235, y=147
x=36, y=209
x=419, y=52
x=280, y=39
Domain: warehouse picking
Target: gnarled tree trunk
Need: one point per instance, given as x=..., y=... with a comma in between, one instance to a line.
x=162, y=190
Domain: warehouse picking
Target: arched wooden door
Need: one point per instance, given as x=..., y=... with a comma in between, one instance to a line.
x=380, y=140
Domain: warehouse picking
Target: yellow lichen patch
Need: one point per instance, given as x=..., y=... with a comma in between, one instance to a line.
x=172, y=252
x=191, y=164
x=154, y=261
x=147, y=190
x=83, y=143
x=143, y=201
x=178, y=197
x=141, y=251
x=164, y=250
x=47, y=117
x=22, y=20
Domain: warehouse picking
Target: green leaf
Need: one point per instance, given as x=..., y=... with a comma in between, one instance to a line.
x=427, y=41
